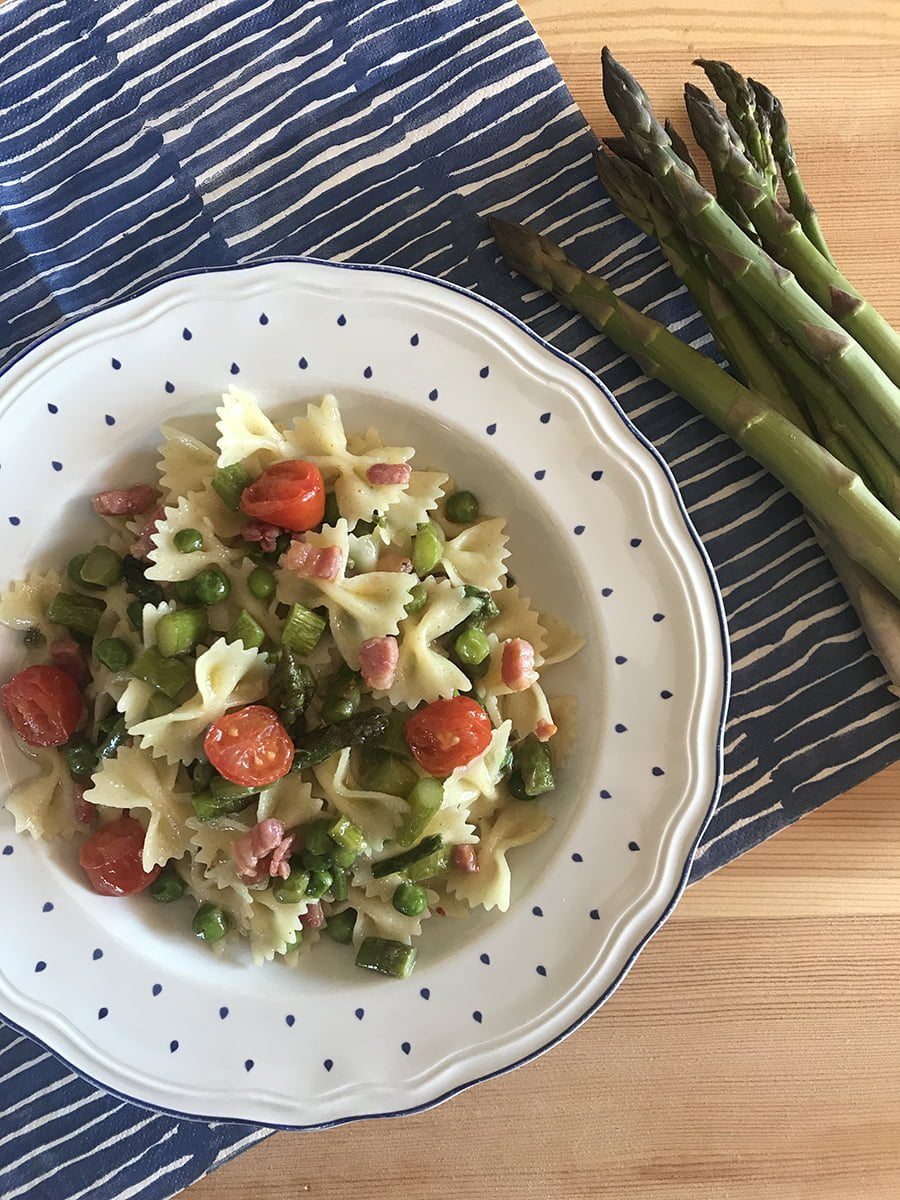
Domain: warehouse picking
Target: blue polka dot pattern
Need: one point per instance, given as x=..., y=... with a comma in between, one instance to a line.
x=249, y=1064
x=633, y=846
x=223, y=1012
x=57, y=466
x=578, y=530
x=302, y=363
x=425, y=993
x=595, y=475
x=173, y=1046
x=657, y=771
x=486, y=959
x=433, y=395
x=491, y=429
x=359, y=1013
x=634, y=543
x=666, y=695
x=576, y=857
x=98, y=953
x=620, y=728
x=15, y=520
x=607, y=591
x=605, y=795
x=39, y=966
x=169, y=386
x=342, y=320
x=537, y=911
x=414, y=340
x=263, y=319
x=406, y=1047
x=156, y=989
x=477, y=1016
x=541, y=970
x=102, y=1013
x=659, y=617
x=484, y=372
x=328, y=1064
x=621, y=660
x=545, y=418
x=110, y=420
x=186, y=334
x=367, y=373
x=115, y=364
x=47, y=907
x=234, y=369
x=7, y=849
x=540, y=474
x=289, y=1020
x=53, y=408
x=594, y=914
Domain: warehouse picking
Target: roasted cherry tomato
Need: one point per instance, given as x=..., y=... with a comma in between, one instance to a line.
x=289, y=494
x=111, y=859
x=447, y=734
x=250, y=747
x=44, y=705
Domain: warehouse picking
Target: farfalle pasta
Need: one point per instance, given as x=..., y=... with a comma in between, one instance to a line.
x=291, y=689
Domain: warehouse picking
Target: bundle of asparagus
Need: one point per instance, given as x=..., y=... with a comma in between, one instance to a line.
x=814, y=393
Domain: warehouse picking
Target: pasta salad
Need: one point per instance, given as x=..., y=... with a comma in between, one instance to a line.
x=294, y=684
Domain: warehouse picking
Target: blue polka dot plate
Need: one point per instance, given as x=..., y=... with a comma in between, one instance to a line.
x=599, y=536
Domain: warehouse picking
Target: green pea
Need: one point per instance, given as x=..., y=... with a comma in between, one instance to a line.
x=187, y=541
x=135, y=611
x=212, y=586
x=81, y=757
x=409, y=899
x=261, y=583
x=102, y=567
x=428, y=548
x=340, y=926
x=210, y=923
x=314, y=862
x=418, y=598
x=317, y=839
x=319, y=883
x=343, y=857
x=462, y=508
x=472, y=647
x=186, y=591
x=114, y=654
x=293, y=889
x=168, y=886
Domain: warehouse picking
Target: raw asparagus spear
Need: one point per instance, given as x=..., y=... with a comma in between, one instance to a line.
x=743, y=112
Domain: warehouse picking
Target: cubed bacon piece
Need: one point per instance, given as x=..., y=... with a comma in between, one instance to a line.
x=252, y=849
x=280, y=859
x=465, y=858
x=85, y=810
x=517, y=665
x=69, y=657
x=393, y=560
x=378, y=662
x=142, y=547
x=314, y=917
x=262, y=532
x=380, y=473
x=545, y=730
x=313, y=562
x=125, y=502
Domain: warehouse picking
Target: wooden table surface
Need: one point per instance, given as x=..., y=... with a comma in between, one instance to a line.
x=754, y=1050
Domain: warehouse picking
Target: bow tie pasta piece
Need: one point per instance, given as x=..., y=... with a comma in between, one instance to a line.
x=359, y=607
x=222, y=616
x=479, y=778
x=516, y=824
x=185, y=463
x=423, y=671
x=289, y=801
x=43, y=805
x=376, y=813
x=561, y=640
x=169, y=565
x=376, y=915
x=518, y=619
x=413, y=507
x=210, y=841
x=24, y=603
x=320, y=438
x=133, y=779
x=227, y=676
x=236, y=900
x=453, y=825
x=245, y=431
x=272, y=925
x=476, y=555
x=565, y=717
x=526, y=710
x=132, y=703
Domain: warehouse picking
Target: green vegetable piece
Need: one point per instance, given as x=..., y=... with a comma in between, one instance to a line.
x=186, y=591
x=136, y=581
x=167, y=886
x=224, y=789
x=291, y=687
x=116, y=736
x=73, y=570
x=340, y=926
x=160, y=706
x=179, y=632
x=314, y=862
x=212, y=586
x=418, y=598
x=302, y=629
x=410, y=899
x=429, y=868
x=347, y=835
x=393, y=741
x=487, y=609
x=332, y=511
x=423, y=802
x=506, y=763
x=210, y=923
x=472, y=647
x=387, y=957
x=135, y=611
x=261, y=582
x=399, y=862
x=114, y=653
x=81, y=614
x=102, y=567
x=207, y=806
x=516, y=785
x=340, y=883
x=343, y=858
x=202, y=774
x=462, y=508
x=320, y=743
x=386, y=773
x=316, y=837
x=535, y=767
x=319, y=883
x=244, y=628
x=293, y=889
x=229, y=483
x=81, y=757
x=428, y=548
x=187, y=541
x=343, y=696
x=169, y=675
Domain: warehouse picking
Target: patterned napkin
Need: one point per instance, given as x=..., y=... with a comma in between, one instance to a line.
x=139, y=139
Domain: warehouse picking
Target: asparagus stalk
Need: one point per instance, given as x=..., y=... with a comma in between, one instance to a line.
x=768, y=104
x=745, y=116
x=784, y=235
x=835, y=497
x=774, y=288
x=638, y=196
x=678, y=145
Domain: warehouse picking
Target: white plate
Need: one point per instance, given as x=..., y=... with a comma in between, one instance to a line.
x=599, y=537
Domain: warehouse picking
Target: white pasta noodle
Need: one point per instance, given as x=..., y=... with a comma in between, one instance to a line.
x=376, y=813
x=518, y=619
x=167, y=563
x=423, y=671
x=236, y=900
x=185, y=463
x=227, y=676
x=133, y=779
x=289, y=801
x=565, y=717
x=135, y=697
x=25, y=601
x=211, y=841
x=561, y=643
x=245, y=430
x=43, y=805
x=413, y=507
x=478, y=778
x=515, y=824
x=526, y=710
x=360, y=607
x=272, y=925
x=476, y=555
x=376, y=915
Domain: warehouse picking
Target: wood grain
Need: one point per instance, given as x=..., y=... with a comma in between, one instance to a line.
x=753, y=1053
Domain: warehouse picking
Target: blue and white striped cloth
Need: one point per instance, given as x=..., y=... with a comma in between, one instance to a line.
x=139, y=139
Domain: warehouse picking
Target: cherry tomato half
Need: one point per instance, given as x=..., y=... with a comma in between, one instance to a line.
x=250, y=747
x=43, y=704
x=289, y=494
x=447, y=734
x=111, y=859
